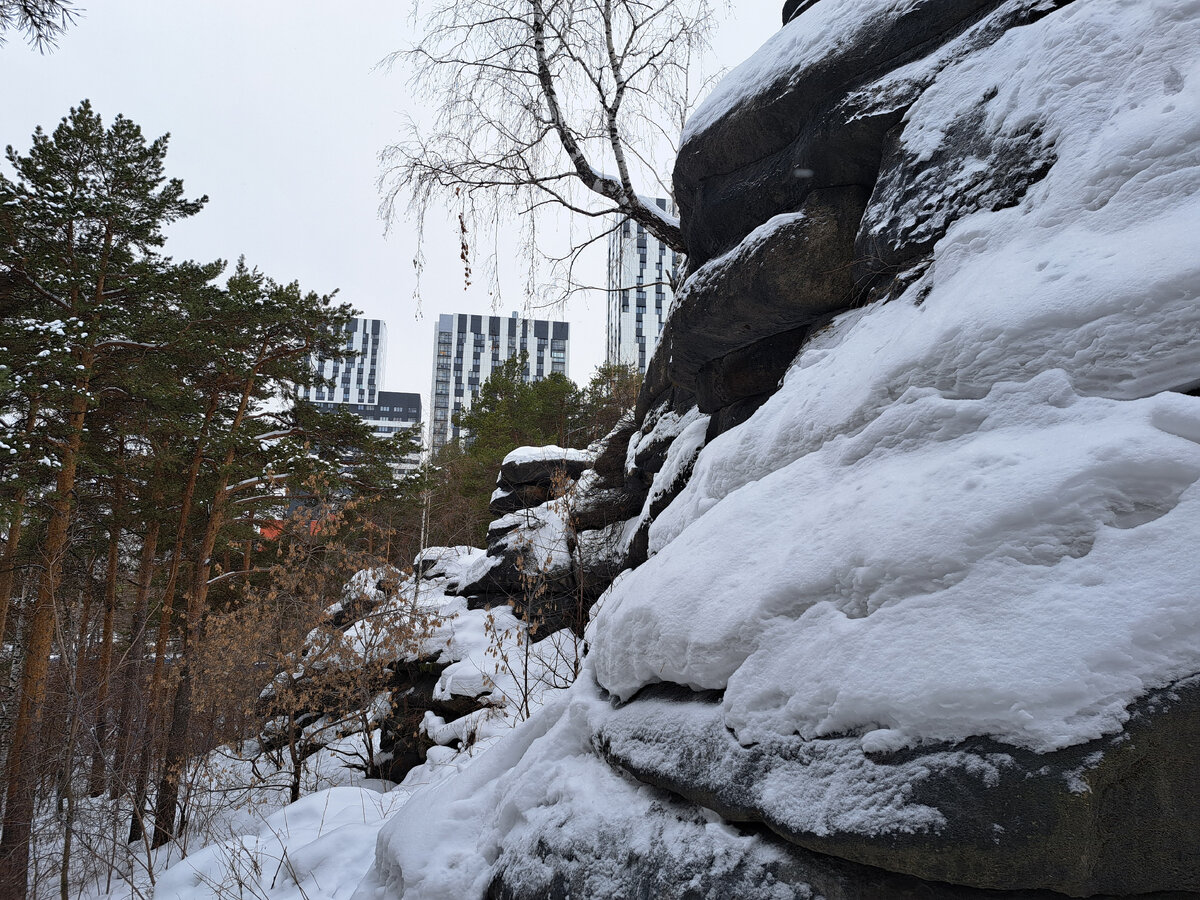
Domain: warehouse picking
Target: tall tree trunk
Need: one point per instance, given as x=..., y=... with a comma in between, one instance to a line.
x=12, y=544
x=103, y=674
x=75, y=710
x=67, y=793
x=155, y=691
x=22, y=774
x=174, y=756
x=175, y=752
x=8, y=559
x=132, y=682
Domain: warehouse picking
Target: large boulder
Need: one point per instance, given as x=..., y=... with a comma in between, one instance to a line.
x=978, y=813
x=542, y=466
x=767, y=137
x=910, y=605
x=785, y=274
x=522, y=496
x=999, y=451
x=773, y=181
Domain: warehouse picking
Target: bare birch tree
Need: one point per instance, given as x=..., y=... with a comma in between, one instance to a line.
x=543, y=103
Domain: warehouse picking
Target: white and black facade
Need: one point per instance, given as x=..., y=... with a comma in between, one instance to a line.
x=394, y=412
x=357, y=387
x=640, y=269
x=467, y=348
x=358, y=377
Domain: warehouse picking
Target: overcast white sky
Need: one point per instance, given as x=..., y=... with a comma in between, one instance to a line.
x=277, y=111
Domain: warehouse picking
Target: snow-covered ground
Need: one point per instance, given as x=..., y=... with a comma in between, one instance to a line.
x=245, y=840
x=969, y=511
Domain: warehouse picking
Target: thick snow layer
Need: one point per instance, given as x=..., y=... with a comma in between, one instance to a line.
x=956, y=517
x=815, y=34
x=446, y=561
x=664, y=425
x=542, y=786
x=319, y=846
x=1012, y=571
x=678, y=463
x=480, y=564
x=549, y=453
x=538, y=537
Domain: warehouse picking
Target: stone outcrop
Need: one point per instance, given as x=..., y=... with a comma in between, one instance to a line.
x=799, y=202
x=809, y=194
x=412, y=692
x=543, y=466
x=555, y=546
x=311, y=702
x=823, y=121
x=978, y=813
x=784, y=275
x=824, y=223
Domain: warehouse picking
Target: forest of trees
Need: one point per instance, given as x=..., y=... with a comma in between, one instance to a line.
x=508, y=413
x=148, y=432
x=173, y=521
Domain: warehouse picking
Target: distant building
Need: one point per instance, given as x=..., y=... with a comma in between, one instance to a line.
x=640, y=268
x=357, y=378
x=467, y=348
x=393, y=413
x=357, y=386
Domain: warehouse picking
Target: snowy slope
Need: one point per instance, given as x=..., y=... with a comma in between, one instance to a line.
x=952, y=520
x=320, y=847
x=967, y=515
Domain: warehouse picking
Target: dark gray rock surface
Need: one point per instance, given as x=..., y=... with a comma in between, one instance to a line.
x=829, y=127
x=544, y=470
x=785, y=275
x=680, y=862
x=766, y=156
x=521, y=496
x=915, y=201
x=793, y=8
x=1118, y=815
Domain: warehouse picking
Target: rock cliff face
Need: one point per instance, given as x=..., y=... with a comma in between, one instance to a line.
x=907, y=600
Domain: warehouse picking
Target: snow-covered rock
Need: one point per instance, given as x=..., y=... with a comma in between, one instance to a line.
x=931, y=608
x=542, y=465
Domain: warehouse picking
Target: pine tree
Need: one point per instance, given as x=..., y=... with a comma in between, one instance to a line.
x=80, y=228
x=271, y=332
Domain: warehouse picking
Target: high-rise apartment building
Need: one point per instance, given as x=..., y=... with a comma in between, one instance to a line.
x=358, y=386
x=640, y=267
x=393, y=412
x=358, y=377
x=467, y=348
